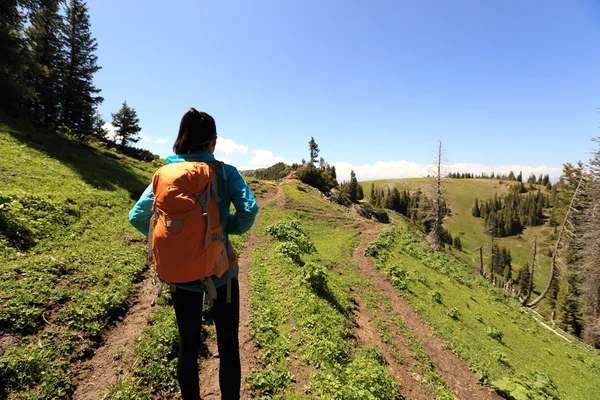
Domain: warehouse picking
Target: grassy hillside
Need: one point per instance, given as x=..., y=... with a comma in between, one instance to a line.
x=499, y=338
x=70, y=264
x=274, y=172
x=69, y=260
x=460, y=194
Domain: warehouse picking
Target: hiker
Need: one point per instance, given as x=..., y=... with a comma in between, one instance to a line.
x=184, y=236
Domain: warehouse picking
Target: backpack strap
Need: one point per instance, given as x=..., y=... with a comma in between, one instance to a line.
x=213, y=186
x=204, y=203
x=230, y=257
x=150, y=233
x=212, y=290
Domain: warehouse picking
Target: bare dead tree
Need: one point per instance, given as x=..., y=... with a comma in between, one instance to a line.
x=588, y=252
x=435, y=237
x=481, y=261
x=564, y=230
x=590, y=271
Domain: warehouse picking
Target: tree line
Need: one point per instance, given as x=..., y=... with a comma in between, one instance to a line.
x=543, y=180
x=508, y=216
x=416, y=206
x=47, y=65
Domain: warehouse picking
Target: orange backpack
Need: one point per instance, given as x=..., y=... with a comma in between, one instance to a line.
x=186, y=240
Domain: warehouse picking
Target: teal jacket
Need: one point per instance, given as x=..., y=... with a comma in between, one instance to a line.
x=234, y=190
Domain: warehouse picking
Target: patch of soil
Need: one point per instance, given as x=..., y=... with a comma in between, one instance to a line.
x=7, y=341
x=409, y=380
x=94, y=376
x=455, y=372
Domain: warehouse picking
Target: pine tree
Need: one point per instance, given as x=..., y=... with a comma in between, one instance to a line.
x=434, y=237
x=457, y=243
x=79, y=93
x=568, y=314
x=523, y=279
x=353, y=187
x=43, y=36
x=507, y=272
x=373, y=197
x=15, y=92
x=313, y=147
x=360, y=193
x=476, y=212
x=98, y=126
x=126, y=122
x=546, y=180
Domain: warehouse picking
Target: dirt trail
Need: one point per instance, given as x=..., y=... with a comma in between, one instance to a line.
x=455, y=372
x=209, y=372
x=94, y=376
x=410, y=381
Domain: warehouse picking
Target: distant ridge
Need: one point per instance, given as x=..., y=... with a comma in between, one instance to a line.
x=272, y=173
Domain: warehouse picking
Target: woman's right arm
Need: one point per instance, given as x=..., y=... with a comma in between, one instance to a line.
x=140, y=214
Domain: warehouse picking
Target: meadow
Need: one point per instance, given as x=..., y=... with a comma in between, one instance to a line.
x=321, y=325
x=460, y=195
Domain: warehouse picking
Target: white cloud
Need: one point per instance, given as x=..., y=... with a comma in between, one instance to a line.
x=262, y=159
x=111, y=131
x=161, y=141
x=407, y=169
x=228, y=146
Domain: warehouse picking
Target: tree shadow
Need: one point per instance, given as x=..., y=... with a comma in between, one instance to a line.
x=17, y=235
x=95, y=168
x=324, y=292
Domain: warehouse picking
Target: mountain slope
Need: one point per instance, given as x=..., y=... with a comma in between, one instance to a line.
x=273, y=173
x=318, y=319
x=460, y=195
x=69, y=260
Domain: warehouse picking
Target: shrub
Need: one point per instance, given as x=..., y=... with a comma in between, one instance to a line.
x=290, y=231
x=316, y=178
x=340, y=198
x=397, y=276
x=453, y=313
x=378, y=214
x=538, y=386
x=495, y=333
x=501, y=357
x=435, y=296
x=289, y=250
x=315, y=276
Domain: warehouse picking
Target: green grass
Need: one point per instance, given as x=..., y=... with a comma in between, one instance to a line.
x=69, y=260
x=498, y=337
x=460, y=194
x=303, y=306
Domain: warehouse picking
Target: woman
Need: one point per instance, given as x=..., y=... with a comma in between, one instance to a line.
x=196, y=142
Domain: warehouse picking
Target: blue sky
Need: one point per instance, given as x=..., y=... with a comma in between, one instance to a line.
x=504, y=84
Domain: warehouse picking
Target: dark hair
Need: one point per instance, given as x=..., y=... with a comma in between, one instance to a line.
x=196, y=131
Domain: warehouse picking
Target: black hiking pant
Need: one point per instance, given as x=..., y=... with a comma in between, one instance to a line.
x=188, y=311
